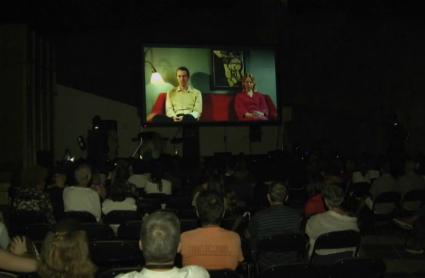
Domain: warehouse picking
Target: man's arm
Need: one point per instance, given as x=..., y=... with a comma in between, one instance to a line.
x=263, y=105
x=240, y=109
x=169, y=109
x=197, y=108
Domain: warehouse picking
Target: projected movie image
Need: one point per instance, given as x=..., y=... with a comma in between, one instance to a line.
x=209, y=85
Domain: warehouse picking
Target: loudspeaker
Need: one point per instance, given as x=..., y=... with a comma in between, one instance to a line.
x=255, y=133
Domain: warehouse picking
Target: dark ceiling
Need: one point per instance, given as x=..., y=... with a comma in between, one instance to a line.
x=64, y=17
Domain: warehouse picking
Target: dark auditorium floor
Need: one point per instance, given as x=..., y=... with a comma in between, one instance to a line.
x=389, y=246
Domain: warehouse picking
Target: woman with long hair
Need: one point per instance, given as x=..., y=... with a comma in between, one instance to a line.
x=65, y=254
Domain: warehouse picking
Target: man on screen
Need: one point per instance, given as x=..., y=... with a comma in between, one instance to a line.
x=183, y=103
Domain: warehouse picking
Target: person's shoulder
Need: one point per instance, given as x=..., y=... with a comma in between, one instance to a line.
x=172, y=90
x=133, y=274
x=194, y=90
x=193, y=271
x=189, y=234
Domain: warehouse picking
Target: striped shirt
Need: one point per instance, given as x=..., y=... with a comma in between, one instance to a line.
x=273, y=221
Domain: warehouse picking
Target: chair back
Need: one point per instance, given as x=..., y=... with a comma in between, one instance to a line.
x=337, y=240
x=98, y=231
x=224, y=273
x=359, y=189
x=385, y=204
x=23, y=217
x=120, y=216
x=130, y=230
x=4, y=274
x=357, y=267
x=116, y=253
x=81, y=216
x=283, y=243
x=290, y=271
x=412, y=200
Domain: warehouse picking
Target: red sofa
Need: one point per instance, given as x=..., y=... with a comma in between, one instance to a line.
x=215, y=108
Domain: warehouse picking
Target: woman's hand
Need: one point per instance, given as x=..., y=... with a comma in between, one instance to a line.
x=18, y=246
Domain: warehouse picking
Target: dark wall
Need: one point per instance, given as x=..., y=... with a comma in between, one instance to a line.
x=345, y=68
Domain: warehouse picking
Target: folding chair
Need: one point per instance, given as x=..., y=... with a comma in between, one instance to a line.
x=357, y=267
x=8, y=275
x=120, y=216
x=290, y=271
x=411, y=202
x=81, y=216
x=130, y=230
x=116, y=253
x=290, y=247
x=224, y=273
x=384, y=208
x=335, y=240
x=97, y=231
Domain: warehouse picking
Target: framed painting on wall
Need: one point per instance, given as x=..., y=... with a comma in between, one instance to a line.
x=227, y=68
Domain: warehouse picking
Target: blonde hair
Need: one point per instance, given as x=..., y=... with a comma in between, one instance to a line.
x=66, y=255
x=250, y=76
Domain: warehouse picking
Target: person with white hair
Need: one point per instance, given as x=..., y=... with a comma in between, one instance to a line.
x=334, y=219
x=81, y=197
x=159, y=242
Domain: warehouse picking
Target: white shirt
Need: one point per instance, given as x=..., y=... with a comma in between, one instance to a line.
x=410, y=181
x=153, y=187
x=76, y=198
x=139, y=180
x=191, y=271
x=326, y=222
x=127, y=204
x=370, y=175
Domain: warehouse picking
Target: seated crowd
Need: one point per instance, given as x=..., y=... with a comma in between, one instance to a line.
x=259, y=198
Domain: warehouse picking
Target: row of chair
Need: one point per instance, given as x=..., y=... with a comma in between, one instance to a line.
x=347, y=268
x=127, y=227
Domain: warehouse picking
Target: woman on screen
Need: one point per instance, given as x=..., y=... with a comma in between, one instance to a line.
x=249, y=104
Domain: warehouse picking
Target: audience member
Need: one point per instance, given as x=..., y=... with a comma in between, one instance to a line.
x=410, y=180
x=98, y=184
x=211, y=246
x=30, y=196
x=242, y=182
x=278, y=219
x=121, y=175
x=55, y=191
x=335, y=219
x=157, y=183
x=160, y=241
x=315, y=203
x=65, y=253
x=141, y=174
x=385, y=183
x=118, y=201
x=363, y=174
x=81, y=197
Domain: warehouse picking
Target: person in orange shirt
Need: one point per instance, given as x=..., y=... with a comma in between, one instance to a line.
x=211, y=246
